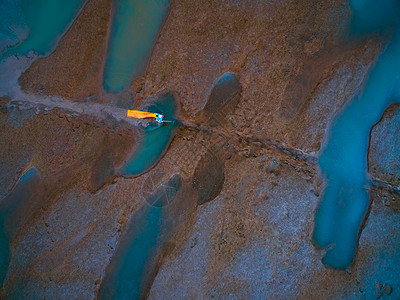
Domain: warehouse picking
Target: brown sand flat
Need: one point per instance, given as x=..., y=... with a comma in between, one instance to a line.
x=284, y=54
x=255, y=236
x=74, y=70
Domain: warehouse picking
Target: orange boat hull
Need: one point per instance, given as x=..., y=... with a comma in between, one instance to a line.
x=140, y=114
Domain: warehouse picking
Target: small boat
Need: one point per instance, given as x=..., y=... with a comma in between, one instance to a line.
x=144, y=115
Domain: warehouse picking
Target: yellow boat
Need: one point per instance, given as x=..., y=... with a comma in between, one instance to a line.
x=144, y=115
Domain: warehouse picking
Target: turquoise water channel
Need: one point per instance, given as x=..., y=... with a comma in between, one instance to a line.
x=126, y=271
x=344, y=160
x=153, y=140
x=35, y=25
x=134, y=262
x=135, y=28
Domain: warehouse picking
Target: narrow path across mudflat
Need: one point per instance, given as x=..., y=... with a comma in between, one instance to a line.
x=12, y=67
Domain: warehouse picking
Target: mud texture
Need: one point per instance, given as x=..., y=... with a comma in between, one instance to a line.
x=384, y=147
x=246, y=185
x=74, y=70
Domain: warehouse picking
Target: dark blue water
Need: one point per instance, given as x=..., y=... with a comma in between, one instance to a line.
x=44, y=20
x=12, y=28
x=153, y=140
x=125, y=273
x=373, y=16
x=344, y=160
x=135, y=28
x=14, y=210
x=132, y=266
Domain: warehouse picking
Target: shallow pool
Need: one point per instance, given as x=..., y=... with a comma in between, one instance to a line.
x=135, y=261
x=125, y=274
x=36, y=25
x=135, y=28
x=153, y=140
x=344, y=160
